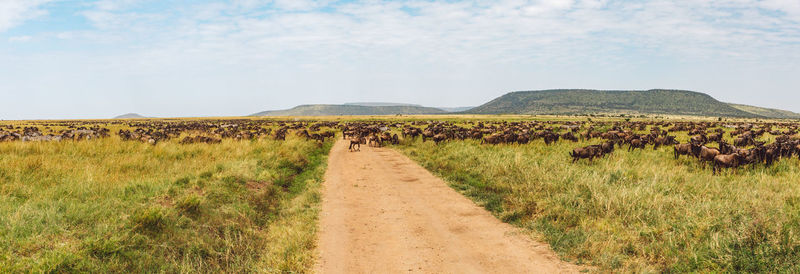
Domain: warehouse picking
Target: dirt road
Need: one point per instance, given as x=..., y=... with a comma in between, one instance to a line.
x=383, y=213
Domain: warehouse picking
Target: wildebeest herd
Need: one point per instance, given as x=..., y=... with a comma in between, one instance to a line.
x=746, y=145
x=32, y=133
x=745, y=148
x=156, y=131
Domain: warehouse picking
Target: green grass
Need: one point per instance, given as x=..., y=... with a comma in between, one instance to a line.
x=113, y=206
x=638, y=211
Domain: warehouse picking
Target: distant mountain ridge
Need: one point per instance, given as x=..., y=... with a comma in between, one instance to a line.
x=455, y=109
x=381, y=104
x=584, y=101
x=343, y=110
x=129, y=116
x=560, y=102
x=767, y=112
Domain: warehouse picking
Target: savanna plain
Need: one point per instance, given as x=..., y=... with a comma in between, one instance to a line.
x=242, y=195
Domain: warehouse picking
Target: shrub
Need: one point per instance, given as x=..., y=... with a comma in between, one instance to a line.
x=151, y=219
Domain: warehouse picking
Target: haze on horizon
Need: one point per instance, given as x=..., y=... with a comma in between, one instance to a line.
x=102, y=58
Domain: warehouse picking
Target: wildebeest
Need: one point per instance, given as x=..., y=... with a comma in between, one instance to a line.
x=550, y=138
x=200, y=139
x=355, y=143
x=439, y=138
x=664, y=141
x=589, y=152
x=607, y=147
x=743, y=141
x=492, y=139
x=726, y=161
x=684, y=149
x=699, y=140
x=708, y=154
x=637, y=143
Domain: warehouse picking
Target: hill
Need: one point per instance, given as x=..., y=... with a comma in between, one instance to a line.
x=455, y=109
x=581, y=101
x=767, y=112
x=384, y=104
x=129, y=116
x=338, y=110
x=381, y=104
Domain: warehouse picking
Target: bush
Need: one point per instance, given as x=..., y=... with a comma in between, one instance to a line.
x=150, y=219
x=190, y=204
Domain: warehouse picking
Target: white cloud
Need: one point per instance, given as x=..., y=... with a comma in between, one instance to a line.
x=547, y=6
x=14, y=12
x=418, y=49
x=300, y=5
x=468, y=31
x=24, y=38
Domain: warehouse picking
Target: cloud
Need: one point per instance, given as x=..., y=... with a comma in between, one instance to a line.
x=547, y=6
x=423, y=49
x=24, y=38
x=300, y=5
x=14, y=12
x=452, y=31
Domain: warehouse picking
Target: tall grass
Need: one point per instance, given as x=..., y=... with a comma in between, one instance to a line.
x=113, y=206
x=639, y=211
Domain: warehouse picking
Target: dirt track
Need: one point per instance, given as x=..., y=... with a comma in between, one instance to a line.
x=383, y=213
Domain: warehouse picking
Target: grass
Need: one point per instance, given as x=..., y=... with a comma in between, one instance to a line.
x=113, y=206
x=638, y=211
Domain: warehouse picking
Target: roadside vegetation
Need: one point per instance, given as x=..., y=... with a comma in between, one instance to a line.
x=108, y=205
x=639, y=211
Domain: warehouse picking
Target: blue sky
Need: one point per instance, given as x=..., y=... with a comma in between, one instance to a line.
x=98, y=59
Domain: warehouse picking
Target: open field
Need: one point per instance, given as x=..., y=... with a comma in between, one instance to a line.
x=108, y=205
x=242, y=195
x=640, y=211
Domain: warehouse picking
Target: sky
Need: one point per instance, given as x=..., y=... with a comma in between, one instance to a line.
x=181, y=58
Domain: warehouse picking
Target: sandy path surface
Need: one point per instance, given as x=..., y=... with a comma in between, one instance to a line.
x=383, y=213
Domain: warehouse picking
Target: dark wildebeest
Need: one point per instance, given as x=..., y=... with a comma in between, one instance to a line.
x=699, y=140
x=743, y=141
x=708, y=154
x=664, y=141
x=684, y=149
x=492, y=139
x=607, y=147
x=439, y=138
x=550, y=138
x=355, y=143
x=715, y=137
x=726, y=161
x=637, y=143
x=589, y=152
x=373, y=141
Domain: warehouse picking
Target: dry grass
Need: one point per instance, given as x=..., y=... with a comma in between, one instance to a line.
x=112, y=206
x=638, y=211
